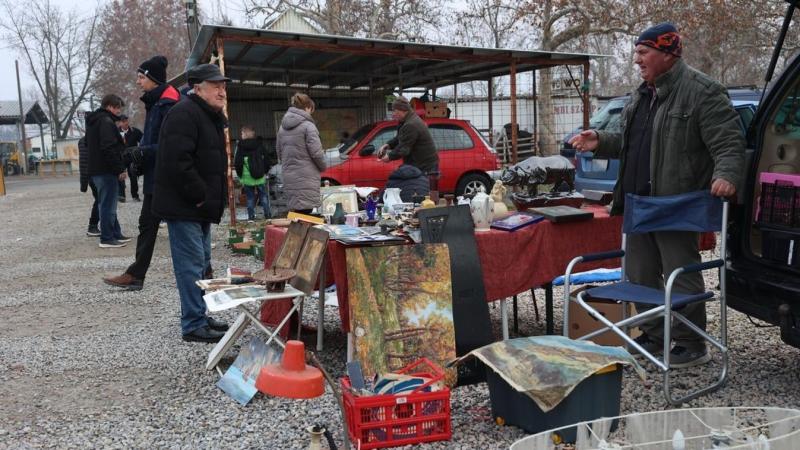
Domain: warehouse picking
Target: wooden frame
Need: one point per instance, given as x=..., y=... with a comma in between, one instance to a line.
x=292, y=245
x=310, y=260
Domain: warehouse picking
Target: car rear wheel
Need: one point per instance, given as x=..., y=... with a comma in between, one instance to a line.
x=470, y=184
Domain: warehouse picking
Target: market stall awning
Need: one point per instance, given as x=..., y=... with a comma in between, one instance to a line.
x=318, y=60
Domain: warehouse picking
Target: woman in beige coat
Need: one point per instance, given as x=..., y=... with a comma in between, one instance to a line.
x=301, y=155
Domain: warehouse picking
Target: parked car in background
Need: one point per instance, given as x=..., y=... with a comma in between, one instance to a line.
x=601, y=174
x=465, y=157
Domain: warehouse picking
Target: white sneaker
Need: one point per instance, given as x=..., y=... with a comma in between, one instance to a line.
x=112, y=244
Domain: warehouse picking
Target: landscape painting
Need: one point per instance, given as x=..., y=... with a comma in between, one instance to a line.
x=401, y=306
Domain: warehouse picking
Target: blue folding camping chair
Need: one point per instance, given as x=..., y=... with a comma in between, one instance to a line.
x=695, y=211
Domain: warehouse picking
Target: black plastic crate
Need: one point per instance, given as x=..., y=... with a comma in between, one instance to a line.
x=779, y=204
x=595, y=397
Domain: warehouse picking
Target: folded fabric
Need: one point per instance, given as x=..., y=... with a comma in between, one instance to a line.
x=591, y=276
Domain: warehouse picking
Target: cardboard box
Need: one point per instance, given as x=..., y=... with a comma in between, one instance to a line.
x=436, y=109
x=581, y=323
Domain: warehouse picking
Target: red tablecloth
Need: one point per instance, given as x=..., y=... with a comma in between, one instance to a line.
x=511, y=262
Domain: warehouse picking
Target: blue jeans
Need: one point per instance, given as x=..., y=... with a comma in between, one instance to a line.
x=250, y=192
x=190, y=244
x=107, y=206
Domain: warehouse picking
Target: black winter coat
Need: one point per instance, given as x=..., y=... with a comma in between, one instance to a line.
x=414, y=144
x=157, y=102
x=191, y=163
x=410, y=180
x=105, y=143
x=259, y=160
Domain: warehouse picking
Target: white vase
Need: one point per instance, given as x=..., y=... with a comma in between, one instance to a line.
x=482, y=209
x=391, y=197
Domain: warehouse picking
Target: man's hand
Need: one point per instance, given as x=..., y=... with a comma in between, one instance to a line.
x=722, y=188
x=585, y=141
x=123, y=176
x=385, y=158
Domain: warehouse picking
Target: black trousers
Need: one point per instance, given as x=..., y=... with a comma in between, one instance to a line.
x=94, y=217
x=134, y=184
x=146, y=241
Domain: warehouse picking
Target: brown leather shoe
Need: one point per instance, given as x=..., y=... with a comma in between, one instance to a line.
x=125, y=281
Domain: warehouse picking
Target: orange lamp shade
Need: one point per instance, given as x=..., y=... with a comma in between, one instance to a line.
x=292, y=378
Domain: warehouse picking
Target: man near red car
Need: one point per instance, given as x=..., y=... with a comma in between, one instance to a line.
x=413, y=142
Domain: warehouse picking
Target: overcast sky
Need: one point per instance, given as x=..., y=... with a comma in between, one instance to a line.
x=8, y=81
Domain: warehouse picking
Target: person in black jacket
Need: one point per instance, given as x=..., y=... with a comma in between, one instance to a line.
x=252, y=163
x=131, y=136
x=191, y=189
x=158, y=99
x=86, y=182
x=106, y=167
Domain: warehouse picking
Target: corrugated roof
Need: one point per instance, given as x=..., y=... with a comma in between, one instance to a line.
x=297, y=59
x=9, y=112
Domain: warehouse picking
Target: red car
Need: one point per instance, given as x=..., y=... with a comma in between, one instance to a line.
x=465, y=158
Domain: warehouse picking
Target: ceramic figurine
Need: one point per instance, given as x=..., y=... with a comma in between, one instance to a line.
x=498, y=194
x=461, y=200
x=391, y=197
x=371, y=207
x=428, y=203
x=482, y=209
x=338, y=216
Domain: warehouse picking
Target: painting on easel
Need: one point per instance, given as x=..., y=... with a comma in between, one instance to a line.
x=401, y=306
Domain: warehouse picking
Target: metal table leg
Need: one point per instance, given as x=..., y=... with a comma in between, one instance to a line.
x=548, y=308
x=321, y=303
x=504, y=318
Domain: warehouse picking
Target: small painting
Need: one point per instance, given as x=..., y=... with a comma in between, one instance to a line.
x=292, y=244
x=310, y=260
x=239, y=381
x=401, y=306
x=346, y=195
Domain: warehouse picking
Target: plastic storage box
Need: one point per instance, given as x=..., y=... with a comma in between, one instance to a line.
x=595, y=397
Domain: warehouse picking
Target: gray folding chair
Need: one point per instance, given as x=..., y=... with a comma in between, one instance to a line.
x=696, y=211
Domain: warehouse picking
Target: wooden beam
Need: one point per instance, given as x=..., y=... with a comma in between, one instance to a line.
x=242, y=52
x=277, y=53
x=587, y=105
x=336, y=60
x=514, y=134
x=228, y=150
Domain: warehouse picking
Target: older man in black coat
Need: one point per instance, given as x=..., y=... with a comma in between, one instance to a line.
x=190, y=191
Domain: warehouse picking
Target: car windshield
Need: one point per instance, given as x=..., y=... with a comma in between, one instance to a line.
x=350, y=143
x=601, y=118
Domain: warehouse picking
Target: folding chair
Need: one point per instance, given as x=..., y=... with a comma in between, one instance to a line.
x=695, y=211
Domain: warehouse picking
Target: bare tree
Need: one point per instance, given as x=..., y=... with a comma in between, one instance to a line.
x=60, y=50
x=387, y=19
x=148, y=28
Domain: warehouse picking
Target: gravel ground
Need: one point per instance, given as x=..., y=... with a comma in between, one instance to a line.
x=83, y=365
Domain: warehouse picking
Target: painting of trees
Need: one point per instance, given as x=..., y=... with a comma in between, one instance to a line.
x=401, y=306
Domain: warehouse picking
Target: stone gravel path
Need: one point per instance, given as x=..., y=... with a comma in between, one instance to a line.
x=85, y=366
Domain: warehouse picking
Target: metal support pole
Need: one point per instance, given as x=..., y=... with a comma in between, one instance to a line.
x=321, y=306
x=228, y=150
x=489, y=95
x=24, y=147
x=455, y=100
x=535, y=114
x=514, y=125
x=587, y=103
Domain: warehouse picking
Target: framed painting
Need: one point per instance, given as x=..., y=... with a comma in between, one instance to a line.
x=346, y=195
x=292, y=244
x=310, y=260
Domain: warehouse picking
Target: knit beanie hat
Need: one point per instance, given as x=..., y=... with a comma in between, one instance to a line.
x=401, y=104
x=155, y=68
x=663, y=37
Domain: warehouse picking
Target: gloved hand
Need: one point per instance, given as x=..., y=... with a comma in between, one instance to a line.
x=132, y=155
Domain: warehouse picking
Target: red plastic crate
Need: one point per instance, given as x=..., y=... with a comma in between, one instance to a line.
x=380, y=421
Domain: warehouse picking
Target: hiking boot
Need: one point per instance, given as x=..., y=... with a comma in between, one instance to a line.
x=136, y=198
x=681, y=357
x=125, y=281
x=93, y=232
x=121, y=199
x=112, y=244
x=204, y=334
x=124, y=239
x=649, y=345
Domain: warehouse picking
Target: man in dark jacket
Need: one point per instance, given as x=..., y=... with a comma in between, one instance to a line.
x=106, y=167
x=158, y=99
x=410, y=180
x=252, y=163
x=131, y=136
x=191, y=189
x=413, y=142
x=679, y=134
x=86, y=182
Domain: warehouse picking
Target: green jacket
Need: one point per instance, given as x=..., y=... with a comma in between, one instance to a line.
x=696, y=136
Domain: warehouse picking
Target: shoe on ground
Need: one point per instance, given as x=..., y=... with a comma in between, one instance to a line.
x=682, y=357
x=137, y=199
x=217, y=325
x=650, y=345
x=93, y=232
x=125, y=281
x=121, y=199
x=112, y=244
x=162, y=225
x=124, y=239
x=204, y=334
